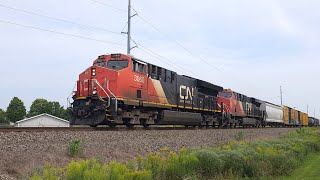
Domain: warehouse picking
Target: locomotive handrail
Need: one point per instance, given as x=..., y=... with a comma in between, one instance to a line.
x=110, y=90
x=97, y=82
x=116, y=104
x=224, y=107
x=68, y=98
x=109, y=98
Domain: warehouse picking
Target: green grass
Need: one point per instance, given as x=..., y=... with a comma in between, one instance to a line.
x=309, y=170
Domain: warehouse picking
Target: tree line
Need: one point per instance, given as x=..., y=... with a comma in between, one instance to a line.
x=17, y=111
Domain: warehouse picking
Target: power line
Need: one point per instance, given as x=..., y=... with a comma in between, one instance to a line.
x=58, y=19
x=108, y=5
x=163, y=58
x=124, y=28
x=180, y=45
x=145, y=51
x=157, y=58
x=157, y=29
x=61, y=33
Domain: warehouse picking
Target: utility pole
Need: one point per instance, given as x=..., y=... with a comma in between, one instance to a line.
x=129, y=28
x=128, y=33
x=281, y=94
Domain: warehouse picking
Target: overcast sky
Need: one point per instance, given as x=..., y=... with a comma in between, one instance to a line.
x=253, y=47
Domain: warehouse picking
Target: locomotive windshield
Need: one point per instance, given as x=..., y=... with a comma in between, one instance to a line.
x=117, y=64
x=227, y=95
x=102, y=64
x=113, y=64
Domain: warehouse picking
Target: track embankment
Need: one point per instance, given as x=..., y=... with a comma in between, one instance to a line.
x=23, y=151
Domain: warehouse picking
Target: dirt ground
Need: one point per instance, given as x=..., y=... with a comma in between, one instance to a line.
x=23, y=152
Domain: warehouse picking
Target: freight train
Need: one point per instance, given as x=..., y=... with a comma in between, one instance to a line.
x=120, y=89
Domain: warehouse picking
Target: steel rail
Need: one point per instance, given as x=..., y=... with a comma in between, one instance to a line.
x=62, y=129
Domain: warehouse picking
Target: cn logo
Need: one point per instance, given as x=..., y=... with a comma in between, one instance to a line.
x=186, y=92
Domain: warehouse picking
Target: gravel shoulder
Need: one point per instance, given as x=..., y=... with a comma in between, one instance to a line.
x=23, y=152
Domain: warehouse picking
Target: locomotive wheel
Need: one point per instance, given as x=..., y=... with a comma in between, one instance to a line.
x=207, y=124
x=112, y=125
x=129, y=125
x=145, y=125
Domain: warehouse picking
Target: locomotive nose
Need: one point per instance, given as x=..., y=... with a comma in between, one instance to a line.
x=89, y=111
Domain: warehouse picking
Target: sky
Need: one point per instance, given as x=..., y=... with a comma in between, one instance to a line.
x=250, y=46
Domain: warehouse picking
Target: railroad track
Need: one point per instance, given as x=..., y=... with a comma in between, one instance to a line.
x=42, y=129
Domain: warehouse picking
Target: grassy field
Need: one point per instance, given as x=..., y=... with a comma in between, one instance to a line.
x=308, y=171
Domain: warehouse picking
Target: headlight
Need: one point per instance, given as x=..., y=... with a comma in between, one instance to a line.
x=94, y=92
x=93, y=72
x=74, y=93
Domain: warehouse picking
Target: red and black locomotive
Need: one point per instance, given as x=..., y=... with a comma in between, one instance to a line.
x=243, y=110
x=121, y=89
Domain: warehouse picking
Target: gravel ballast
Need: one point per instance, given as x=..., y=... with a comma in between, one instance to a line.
x=23, y=152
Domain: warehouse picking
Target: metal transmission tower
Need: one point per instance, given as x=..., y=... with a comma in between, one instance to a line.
x=129, y=28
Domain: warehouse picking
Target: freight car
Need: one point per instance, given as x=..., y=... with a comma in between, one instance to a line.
x=313, y=122
x=304, y=119
x=121, y=89
x=293, y=117
x=289, y=114
x=274, y=114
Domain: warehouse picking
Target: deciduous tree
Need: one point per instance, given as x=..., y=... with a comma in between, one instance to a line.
x=58, y=110
x=3, y=118
x=16, y=110
x=39, y=106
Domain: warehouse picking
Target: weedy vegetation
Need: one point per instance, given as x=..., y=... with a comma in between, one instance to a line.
x=74, y=147
x=236, y=160
x=239, y=136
